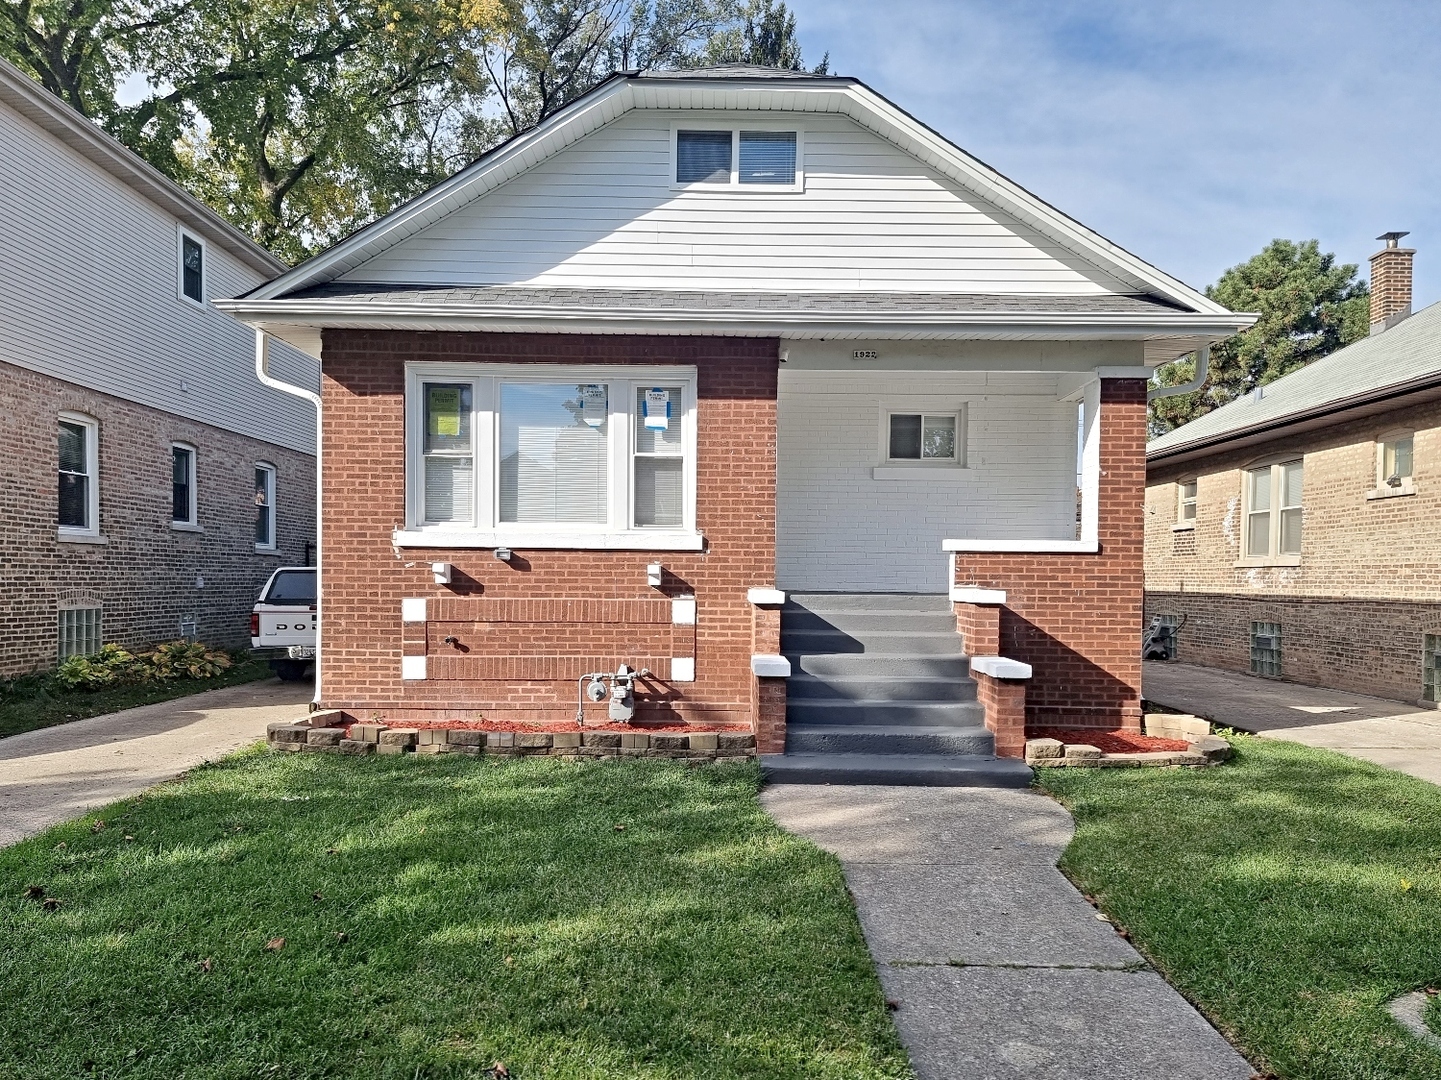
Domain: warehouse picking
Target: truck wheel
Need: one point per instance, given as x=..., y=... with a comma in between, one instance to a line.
x=291, y=670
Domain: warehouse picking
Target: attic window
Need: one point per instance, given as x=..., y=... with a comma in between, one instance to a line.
x=733, y=158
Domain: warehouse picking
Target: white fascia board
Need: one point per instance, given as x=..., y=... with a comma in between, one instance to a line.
x=1022, y=547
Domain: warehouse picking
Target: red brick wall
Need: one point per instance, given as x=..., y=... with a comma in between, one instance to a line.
x=1005, y=703
x=144, y=579
x=1076, y=619
x=364, y=578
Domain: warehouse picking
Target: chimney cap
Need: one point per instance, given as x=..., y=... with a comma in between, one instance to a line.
x=1391, y=238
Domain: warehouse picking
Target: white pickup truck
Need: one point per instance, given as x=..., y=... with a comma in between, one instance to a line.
x=282, y=622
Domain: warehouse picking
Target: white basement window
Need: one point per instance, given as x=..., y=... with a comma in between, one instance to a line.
x=79, y=632
x=265, y=507
x=549, y=456
x=78, y=505
x=732, y=157
x=1273, y=512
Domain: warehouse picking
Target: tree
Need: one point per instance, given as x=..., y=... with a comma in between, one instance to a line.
x=765, y=35
x=1309, y=308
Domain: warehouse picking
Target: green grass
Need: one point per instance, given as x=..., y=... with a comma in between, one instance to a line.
x=38, y=701
x=1289, y=894
x=439, y=915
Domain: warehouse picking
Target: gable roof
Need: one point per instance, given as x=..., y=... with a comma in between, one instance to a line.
x=43, y=109
x=1403, y=359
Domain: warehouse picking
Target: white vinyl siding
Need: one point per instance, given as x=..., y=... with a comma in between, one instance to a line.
x=839, y=528
x=93, y=296
x=604, y=213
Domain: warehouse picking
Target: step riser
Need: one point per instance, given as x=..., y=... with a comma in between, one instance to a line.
x=837, y=769
x=961, y=741
x=861, y=665
x=867, y=688
x=868, y=602
x=861, y=623
x=942, y=714
x=896, y=644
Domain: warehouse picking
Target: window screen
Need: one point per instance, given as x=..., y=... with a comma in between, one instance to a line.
x=768, y=157
x=553, y=461
x=75, y=479
x=659, y=457
x=449, y=455
x=918, y=437
x=192, y=269
x=703, y=157
x=182, y=484
x=79, y=632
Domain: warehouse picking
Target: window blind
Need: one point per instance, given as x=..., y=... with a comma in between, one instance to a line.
x=553, y=460
x=768, y=157
x=74, y=509
x=703, y=157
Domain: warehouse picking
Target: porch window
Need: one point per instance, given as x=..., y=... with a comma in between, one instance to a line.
x=552, y=456
x=924, y=437
x=1273, y=510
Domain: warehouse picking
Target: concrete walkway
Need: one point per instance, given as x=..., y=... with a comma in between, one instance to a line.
x=999, y=968
x=61, y=772
x=1395, y=734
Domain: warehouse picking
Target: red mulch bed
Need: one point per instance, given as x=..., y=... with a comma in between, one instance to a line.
x=1108, y=742
x=536, y=725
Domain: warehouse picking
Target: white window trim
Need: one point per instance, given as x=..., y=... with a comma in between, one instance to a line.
x=90, y=534
x=193, y=523
x=1183, y=522
x=486, y=531
x=735, y=129
x=1274, y=555
x=181, y=235
x=889, y=468
x=269, y=470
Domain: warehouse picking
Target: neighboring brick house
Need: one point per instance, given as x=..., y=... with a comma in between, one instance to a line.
x=1294, y=531
x=705, y=336
x=148, y=484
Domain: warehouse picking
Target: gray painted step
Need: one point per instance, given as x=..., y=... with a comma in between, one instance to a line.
x=888, y=739
x=861, y=623
x=893, y=643
x=869, y=601
x=847, y=711
x=881, y=665
x=929, y=770
x=880, y=687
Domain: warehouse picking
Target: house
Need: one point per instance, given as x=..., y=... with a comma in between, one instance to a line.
x=148, y=483
x=705, y=338
x=1293, y=533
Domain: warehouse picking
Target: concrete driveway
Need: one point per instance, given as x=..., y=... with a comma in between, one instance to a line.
x=997, y=967
x=61, y=772
x=1395, y=734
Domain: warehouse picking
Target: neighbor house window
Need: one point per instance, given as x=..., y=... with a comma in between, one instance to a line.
x=1395, y=461
x=1273, y=510
x=552, y=453
x=78, y=480
x=182, y=485
x=265, y=507
x=79, y=632
x=924, y=437
x=192, y=268
x=1431, y=667
x=732, y=157
x=1265, y=648
x=1186, y=502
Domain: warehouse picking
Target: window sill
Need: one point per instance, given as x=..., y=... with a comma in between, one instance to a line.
x=1408, y=487
x=632, y=540
x=185, y=526
x=81, y=538
x=1184, y=526
x=261, y=549
x=920, y=472
x=1268, y=560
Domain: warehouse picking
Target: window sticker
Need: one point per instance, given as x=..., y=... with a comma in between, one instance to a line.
x=593, y=404
x=444, y=410
x=657, y=409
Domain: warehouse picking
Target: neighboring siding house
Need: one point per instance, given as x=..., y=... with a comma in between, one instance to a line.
x=704, y=337
x=1294, y=532
x=148, y=483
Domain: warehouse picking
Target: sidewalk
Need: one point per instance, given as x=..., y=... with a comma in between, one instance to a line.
x=1395, y=734
x=60, y=772
x=998, y=967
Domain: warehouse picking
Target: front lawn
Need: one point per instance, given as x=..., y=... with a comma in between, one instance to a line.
x=310, y=915
x=1290, y=894
x=39, y=701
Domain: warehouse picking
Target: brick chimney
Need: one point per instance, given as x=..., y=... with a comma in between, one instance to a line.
x=1390, y=282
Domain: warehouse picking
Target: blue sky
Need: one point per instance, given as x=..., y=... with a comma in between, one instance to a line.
x=1191, y=133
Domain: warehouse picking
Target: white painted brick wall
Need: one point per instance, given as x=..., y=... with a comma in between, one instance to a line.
x=840, y=530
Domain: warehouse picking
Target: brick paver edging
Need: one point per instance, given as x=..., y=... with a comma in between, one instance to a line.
x=1204, y=749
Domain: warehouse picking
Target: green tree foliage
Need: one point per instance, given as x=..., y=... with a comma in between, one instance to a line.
x=1309, y=306
x=764, y=33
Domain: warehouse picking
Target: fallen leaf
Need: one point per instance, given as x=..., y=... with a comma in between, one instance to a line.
x=207, y=965
x=130, y=838
x=316, y=896
x=50, y=904
x=892, y=1004
x=620, y=828
x=498, y=1071
x=342, y=937
x=97, y=826
x=275, y=944
x=332, y=851
x=34, y=892
x=509, y=961
x=1406, y=886
x=61, y=846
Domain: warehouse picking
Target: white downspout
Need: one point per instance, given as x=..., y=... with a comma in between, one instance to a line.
x=1203, y=364
x=262, y=372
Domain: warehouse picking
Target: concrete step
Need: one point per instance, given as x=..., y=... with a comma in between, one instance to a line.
x=917, y=770
x=869, y=602
x=861, y=623
x=881, y=665
x=888, y=739
x=890, y=642
x=900, y=713
x=880, y=687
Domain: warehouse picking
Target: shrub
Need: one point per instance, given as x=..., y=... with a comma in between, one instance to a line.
x=111, y=666
x=187, y=660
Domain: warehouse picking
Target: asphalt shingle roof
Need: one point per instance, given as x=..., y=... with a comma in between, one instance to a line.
x=1408, y=352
